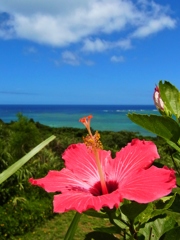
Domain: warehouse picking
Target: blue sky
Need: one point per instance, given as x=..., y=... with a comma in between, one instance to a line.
x=87, y=51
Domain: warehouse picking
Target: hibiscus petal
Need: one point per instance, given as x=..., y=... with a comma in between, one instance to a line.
x=148, y=185
x=136, y=155
x=81, y=161
x=60, y=181
x=80, y=201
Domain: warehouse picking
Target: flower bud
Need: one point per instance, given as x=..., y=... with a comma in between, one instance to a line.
x=157, y=99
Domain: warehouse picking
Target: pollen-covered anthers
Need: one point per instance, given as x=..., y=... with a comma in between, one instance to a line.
x=86, y=121
x=93, y=141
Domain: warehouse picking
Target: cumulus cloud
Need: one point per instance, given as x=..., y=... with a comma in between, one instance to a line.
x=153, y=26
x=70, y=58
x=62, y=23
x=117, y=59
x=98, y=45
x=30, y=50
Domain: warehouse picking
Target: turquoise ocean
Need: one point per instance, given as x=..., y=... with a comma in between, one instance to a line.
x=105, y=117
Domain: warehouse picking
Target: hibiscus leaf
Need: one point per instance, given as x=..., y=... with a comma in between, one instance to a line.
x=156, y=208
x=165, y=202
x=144, y=216
x=97, y=235
x=110, y=230
x=174, y=215
x=171, y=97
x=172, y=144
x=155, y=229
x=173, y=234
x=162, y=205
x=162, y=126
x=122, y=225
x=175, y=206
x=133, y=209
x=73, y=226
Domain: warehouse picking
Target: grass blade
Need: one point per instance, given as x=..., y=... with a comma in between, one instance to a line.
x=13, y=168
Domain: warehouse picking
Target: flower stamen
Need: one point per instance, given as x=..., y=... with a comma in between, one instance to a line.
x=93, y=142
x=86, y=121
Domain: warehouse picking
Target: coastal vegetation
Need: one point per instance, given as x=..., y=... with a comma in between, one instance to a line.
x=23, y=207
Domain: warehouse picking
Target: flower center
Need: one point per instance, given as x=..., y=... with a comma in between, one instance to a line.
x=96, y=190
x=93, y=142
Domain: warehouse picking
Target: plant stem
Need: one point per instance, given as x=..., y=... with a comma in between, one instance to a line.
x=150, y=234
x=73, y=226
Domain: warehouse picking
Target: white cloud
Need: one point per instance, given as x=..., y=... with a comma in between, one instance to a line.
x=99, y=45
x=153, y=26
x=64, y=22
x=70, y=58
x=30, y=50
x=117, y=59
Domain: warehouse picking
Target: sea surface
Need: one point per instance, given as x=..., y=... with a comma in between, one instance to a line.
x=105, y=117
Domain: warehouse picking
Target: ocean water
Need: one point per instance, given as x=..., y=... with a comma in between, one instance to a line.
x=105, y=117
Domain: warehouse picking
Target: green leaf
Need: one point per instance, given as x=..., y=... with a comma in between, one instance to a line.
x=155, y=229
x=96, y=235
x=171, y=97
x=178, y=179
x=165, y=202
x=172, y=144
x=162, y=205
x=93, y=213
x=144, y=216
x=133, y=209
x=173, y=234
x=176, y=156
x=73, y=226
x=13, y=168
x=175, y=206
x=162, y=126
x=110, y=230
x=120, y=224
x=174, y=215
x=156, y=208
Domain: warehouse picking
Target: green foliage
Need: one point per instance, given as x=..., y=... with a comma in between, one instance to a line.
x=156, y=228
x=18, y=164
x=101, y=234
x=173, y=234
x=25, y=135
x=133, y=209
x=5, y=154
x=24, y=206
x=162, y=126
x=24, y=216
x=171, y=97
x=161, y=218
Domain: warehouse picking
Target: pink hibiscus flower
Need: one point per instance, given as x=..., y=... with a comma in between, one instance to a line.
x=130, y=175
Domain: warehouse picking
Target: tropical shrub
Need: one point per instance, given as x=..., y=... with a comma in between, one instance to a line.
x=18, y=217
